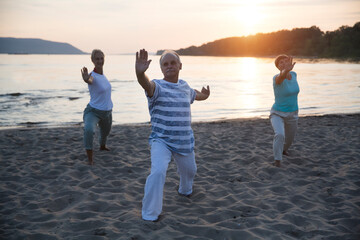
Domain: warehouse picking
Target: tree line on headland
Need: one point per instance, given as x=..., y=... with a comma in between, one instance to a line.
x=307, y=42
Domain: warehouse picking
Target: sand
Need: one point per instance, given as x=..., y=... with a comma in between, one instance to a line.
x=49, y=192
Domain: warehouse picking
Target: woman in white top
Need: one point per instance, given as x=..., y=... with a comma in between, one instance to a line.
x=99, y=110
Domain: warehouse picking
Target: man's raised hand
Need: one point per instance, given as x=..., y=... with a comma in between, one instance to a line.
x=206, y=91
x=142, y=63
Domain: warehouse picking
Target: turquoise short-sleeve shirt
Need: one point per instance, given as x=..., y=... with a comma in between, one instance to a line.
x=286, y=94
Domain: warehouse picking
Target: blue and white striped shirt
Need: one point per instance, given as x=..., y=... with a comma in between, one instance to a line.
x=170, y=113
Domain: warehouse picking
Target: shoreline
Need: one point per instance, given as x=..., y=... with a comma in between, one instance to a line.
x=79, y=124
x=49, y=192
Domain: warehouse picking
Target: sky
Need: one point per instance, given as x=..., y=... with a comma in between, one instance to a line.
x=119, y=26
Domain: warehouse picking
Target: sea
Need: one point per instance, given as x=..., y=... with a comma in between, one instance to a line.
x=48, y=90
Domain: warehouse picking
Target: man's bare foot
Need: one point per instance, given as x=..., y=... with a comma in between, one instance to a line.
x=277, y=163
x=185, y=195
x=104, y=148
x=286, y=153
x=89, y=154
x=158, y=219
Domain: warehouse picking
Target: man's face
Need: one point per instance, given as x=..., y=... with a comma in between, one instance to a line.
x=170, y=65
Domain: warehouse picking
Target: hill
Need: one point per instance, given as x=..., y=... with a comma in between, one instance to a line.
x=36, y=46
x=308, y=42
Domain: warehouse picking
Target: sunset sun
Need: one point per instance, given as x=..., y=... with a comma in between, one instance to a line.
x=249, y=15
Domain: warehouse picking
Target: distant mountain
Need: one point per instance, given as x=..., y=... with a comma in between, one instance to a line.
x=308, y=42
x=36, y=46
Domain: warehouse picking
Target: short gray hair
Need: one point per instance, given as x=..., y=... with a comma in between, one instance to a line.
x=95, y=51
x=169, y=51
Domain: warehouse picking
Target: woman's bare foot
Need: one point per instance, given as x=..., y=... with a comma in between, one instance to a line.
x=104, y=148
x=277, y=163
x=286, y=153
x=89, y=154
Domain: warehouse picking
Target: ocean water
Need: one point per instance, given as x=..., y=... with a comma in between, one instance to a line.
x=48, y=90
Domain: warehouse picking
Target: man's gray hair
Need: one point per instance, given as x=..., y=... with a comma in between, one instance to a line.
x=169, y=51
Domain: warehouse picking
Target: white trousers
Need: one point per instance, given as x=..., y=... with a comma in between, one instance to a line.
x=285, y=127
x=154, y=186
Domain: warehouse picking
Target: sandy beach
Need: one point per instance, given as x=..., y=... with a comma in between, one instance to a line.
x=49, y=192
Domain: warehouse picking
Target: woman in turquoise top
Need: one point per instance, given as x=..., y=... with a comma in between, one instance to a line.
x=284, y=112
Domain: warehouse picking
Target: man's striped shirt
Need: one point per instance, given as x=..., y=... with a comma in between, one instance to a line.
x=170, y=113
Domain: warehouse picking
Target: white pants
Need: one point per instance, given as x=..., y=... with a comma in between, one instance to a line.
x=154, y=186
x=285, y=127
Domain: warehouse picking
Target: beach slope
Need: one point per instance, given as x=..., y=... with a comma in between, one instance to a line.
x=49, y=192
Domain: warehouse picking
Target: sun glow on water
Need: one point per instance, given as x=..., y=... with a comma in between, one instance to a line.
x=248, y=74
x=48, y=89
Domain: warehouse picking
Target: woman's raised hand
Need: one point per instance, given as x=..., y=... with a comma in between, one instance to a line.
x=85, y=74
x=289, y=64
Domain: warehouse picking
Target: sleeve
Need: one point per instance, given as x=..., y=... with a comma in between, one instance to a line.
x=94, y=82
x=155, y=95
x=192, y=95
x=274, y=79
